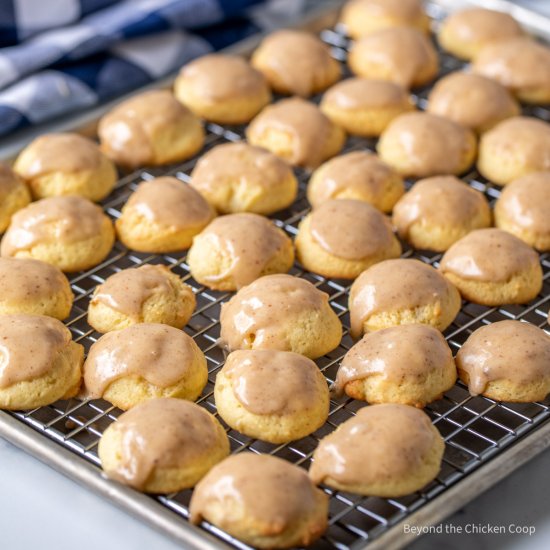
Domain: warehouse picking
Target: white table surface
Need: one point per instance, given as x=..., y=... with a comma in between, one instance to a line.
x=42, y=509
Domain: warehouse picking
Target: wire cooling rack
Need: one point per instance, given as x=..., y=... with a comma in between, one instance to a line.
x=478, y=432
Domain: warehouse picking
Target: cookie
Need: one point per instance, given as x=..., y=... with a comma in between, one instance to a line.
x=235, y=250
x=142, y=362
x=385, y=451
x=150, y=129
x=162, y=446
x=237, y=177
x=492, y=267
x=341, y=238
x=222, y=88
x=163, y=215
x=291, y=513
x=66, y=164
x=275, y=396
x=401, y=292
x=304, y=75
x=40, y=362
x=438, y=211
x=69, y=232
x=280, y=312
x=146, y=294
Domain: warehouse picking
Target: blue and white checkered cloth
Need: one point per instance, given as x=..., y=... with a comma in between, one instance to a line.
x=58, y=56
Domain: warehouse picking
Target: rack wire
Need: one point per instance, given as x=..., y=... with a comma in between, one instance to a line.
x=475, y=429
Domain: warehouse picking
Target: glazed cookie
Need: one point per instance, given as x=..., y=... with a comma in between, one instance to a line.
x=520, y=64
x=472, y=101
x=466, y=32
x=297, y=131
x=163, y=215
x=362, y=17
x=341, y=238
x=162, y=446
x=275, y=396
x=236, y=249
x=506, y=361
x=34, y=287
x=14, y=195
x=365, y=107
x=513, y=148
x=69, y=232
x=311, y=71
x=66, y=164
x=386, y=450
x=146, y=294
x=407, y=364
x=150, y=129
x=422, y=144
x=144, y=361
x=237, y=177
x=40, y=362
x=438, y=211
x=401, y=292
x=222, y=88
x=291, y=513
x=492, y=267
x=280, y=312
x=358, y=175
x=402, y=55
x=523, y=209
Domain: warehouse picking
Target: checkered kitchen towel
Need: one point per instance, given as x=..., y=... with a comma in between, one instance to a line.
x=58, y=56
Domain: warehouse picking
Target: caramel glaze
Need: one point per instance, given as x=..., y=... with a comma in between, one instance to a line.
x=405, y=11
x=127, y=290
x=359, y=170
x=362, y=93
x=404, y=51
x=68, y=219
x=67, y=153
x=526, y=203
x=308, y=127
x=506, y=350
x=170, y=203
x=9, y=181
x=29, y=346
x=482, y=25
x=433, y=144
x=471, y=100
x=517, y=63
x=392, y=285
x=260, y=308
x=351, y=229
x=250, y=240
x=128, y=131
x=380, y=442
x=287, y=494
x=488, y=255
x=160, y=354
x=216, y=77
x=527, y=138
x=238, y=162
x=273, y=382
x=443, y=201
x=395, y=353
x=299, y=73
x=161, y=433
x=24, y=279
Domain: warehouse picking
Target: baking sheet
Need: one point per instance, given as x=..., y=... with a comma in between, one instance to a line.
x=484, y=439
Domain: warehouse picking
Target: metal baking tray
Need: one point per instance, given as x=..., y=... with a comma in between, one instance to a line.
x=485, y=440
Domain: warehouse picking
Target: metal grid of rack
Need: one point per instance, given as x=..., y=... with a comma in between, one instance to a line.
x=475, y=428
